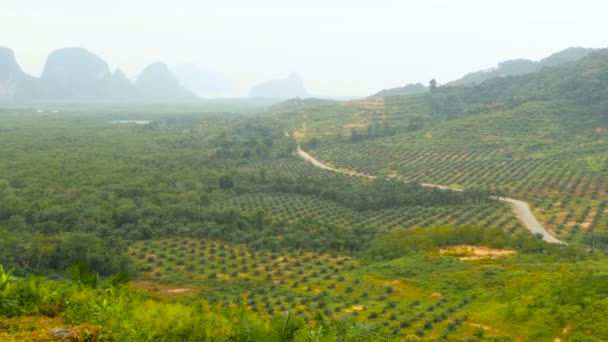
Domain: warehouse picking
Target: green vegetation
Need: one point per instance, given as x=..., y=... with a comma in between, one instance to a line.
x=113, y=312
x=539, y=137
x=193, y=289
x=226, y=235
x=77, y=188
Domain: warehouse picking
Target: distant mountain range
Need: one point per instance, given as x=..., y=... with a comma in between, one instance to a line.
x=512, y=67
x=76, y=74
x=291, y=87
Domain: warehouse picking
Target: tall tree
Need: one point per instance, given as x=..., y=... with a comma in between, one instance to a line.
x=433, y=85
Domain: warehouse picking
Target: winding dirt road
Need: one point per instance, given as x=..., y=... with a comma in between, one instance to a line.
x=521, y=208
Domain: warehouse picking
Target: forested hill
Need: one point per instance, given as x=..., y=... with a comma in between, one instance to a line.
x=584, y=81
x=541, y=137
x=522, y=66
x=514, y=67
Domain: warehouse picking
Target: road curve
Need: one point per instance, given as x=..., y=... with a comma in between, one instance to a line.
x=521, y=208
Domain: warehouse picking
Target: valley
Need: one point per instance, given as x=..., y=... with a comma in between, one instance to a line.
x=451, y=213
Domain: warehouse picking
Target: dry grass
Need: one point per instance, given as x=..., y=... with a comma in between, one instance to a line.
x=29, y=328
x=164, y=290
x=358, y=124
x=467, y=252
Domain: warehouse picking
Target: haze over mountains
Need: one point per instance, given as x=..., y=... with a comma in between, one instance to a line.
x=76, y=74
x=156, y=81
x=14, y=83
x=202, y=81
x=292, y=86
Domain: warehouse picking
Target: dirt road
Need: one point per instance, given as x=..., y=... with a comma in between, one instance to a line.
x=521, y=208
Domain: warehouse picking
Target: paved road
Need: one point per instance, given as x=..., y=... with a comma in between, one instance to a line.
x=521, y=208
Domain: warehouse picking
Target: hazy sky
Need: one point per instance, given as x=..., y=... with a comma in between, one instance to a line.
x=339, y=47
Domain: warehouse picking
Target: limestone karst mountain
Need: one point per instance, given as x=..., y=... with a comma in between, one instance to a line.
x=77, y=74
x=156, y=82
x=292, y=86
x=15, y=84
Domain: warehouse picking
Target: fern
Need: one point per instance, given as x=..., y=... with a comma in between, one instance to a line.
x=5, y=279
x=285, y=328
x=7, y=305
x=116, y=280
x=81, y=275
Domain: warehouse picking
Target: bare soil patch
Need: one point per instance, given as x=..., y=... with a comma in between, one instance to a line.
x=355, y=308
x=358, y=124
x=436, y=295
x=467, y=252
x=178, y=290
x=164, y=290
x=299, y=135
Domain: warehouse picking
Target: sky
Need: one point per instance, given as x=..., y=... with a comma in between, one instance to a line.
x=339, y=47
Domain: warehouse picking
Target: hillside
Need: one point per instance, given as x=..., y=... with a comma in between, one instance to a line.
x=409, y=89
x=522, y=66
x=540, y=136
x=584, y=81
x=513, y=67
